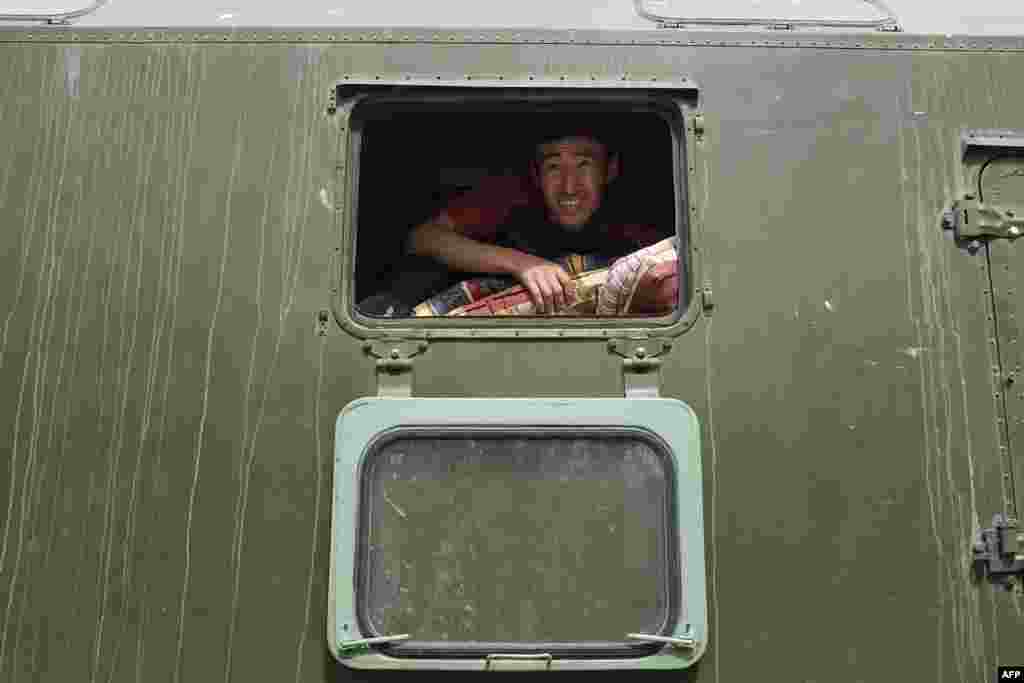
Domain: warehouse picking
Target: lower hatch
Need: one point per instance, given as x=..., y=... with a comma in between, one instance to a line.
x=517, y=533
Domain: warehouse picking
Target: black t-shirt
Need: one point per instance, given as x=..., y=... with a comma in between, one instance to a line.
x=528, y=229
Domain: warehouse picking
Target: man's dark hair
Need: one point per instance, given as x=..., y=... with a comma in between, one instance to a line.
x=582, y=124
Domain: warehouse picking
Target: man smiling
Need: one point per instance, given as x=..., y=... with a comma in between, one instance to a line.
x=516, y=225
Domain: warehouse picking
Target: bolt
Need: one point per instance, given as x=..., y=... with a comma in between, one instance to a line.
x=641, y=352
x=395, y=354
x=1014, y=231
x=973, y=246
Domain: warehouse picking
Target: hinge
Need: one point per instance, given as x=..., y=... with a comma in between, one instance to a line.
x=394, y=365
x=641, y=365
x=512, y=662
x=322, y=323
x=707, y=304
x=971, y=221
x=698, y=126
x=332, y=102
x=999, y=553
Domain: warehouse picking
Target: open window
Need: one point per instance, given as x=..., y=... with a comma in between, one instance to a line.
x=491, y=535
x=474, y=157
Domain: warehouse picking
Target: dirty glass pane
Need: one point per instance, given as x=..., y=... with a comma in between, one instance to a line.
x=517, y=539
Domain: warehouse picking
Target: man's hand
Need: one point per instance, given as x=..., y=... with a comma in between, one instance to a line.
x=546, y=282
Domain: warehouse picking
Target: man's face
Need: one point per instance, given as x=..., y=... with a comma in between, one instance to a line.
x=572, y=174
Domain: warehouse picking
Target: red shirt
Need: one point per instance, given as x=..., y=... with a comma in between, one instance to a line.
x=479, y=213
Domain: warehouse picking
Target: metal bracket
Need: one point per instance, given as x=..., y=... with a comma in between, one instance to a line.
x=685, y=642
x=394, y=365
x=699, y=127
x=532, y=662
x=999, y=553
x=322, y=323
x=970, y=220
x=641, y=365
x=350, y=648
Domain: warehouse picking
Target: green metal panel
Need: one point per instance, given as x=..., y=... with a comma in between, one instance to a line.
x=1007, y=274
x=366, y=419
x=168, y=242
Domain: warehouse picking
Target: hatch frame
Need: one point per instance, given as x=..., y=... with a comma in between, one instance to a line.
x=60, y=17
x=889, y=22
x=365, y=420
x=680, y=99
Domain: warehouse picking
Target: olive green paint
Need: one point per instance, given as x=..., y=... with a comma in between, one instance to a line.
x=662, y=459
x=169, y=405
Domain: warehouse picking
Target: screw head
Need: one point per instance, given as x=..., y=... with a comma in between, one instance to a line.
x=1014, y=231
x=973, y=246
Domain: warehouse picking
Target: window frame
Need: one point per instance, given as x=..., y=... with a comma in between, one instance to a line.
x=676, y=102
x=365, y=421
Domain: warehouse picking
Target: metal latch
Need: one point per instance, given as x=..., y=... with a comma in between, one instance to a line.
x=531, y=662
x=641, y=365
x=394, y=365
x=999, y=553
x=970, y=219
x=351, y=648
x=686, y=642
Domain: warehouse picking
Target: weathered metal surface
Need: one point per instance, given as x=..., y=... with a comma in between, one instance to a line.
x=1007, y=285
x=142, y=31
x=981, y=17
x=168, y=234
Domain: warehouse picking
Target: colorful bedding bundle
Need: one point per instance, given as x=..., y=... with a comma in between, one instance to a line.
x=645, y=282
x=456, y=299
